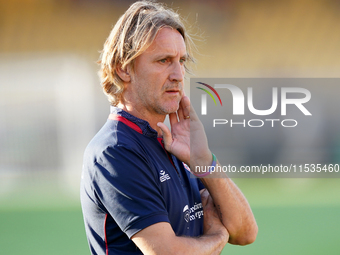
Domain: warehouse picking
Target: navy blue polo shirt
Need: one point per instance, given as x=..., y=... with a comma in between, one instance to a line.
x=130, y=182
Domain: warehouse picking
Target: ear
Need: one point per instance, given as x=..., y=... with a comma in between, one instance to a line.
x=124, y=74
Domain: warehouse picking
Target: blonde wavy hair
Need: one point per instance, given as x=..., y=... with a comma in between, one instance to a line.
x=130, y=37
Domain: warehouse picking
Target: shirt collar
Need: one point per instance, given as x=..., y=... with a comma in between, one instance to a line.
x=142, y=124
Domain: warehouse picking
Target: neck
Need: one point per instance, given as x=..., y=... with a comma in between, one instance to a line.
x=152, y=119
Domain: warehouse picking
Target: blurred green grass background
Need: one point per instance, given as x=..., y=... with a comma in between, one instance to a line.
x=295, y=216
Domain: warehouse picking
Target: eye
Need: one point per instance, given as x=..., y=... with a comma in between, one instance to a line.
x=182, y=60
x=163, y=60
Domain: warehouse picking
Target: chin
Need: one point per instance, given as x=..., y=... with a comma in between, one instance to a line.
x=169, y=109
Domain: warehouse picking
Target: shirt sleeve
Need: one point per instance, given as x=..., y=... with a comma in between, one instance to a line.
x=126, y=185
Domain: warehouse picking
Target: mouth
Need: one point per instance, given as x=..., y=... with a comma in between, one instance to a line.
x=173, y=91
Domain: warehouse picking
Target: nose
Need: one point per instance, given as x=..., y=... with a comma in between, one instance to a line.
x=177, y=72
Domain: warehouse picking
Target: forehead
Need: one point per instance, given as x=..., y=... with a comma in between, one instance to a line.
x=167, y=41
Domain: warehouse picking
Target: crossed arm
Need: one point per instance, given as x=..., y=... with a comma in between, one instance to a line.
x=227, y=214
x=161, y=239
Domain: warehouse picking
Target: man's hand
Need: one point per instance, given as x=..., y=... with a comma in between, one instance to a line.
x=185, y=125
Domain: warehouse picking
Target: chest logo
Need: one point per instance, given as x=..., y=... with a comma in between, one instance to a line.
x=186, y=213
x=193, y=213
x=163, y=176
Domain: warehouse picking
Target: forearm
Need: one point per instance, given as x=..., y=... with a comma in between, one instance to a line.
x=233, y=209
x=204, y=245
x=160, y=239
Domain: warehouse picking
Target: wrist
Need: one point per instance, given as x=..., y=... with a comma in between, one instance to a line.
x=204, y=160
x=202, y=170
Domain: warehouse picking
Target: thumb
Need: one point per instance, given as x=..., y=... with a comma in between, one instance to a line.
x=167, y=137
x=204, y=197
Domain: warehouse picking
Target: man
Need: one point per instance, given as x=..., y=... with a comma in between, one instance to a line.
x=137, y=195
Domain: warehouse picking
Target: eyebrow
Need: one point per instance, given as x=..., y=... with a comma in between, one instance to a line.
x=162, y=56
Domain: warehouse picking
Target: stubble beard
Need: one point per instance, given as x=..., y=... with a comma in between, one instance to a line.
x=164, y=110
x=160, y=105
x=171, y=109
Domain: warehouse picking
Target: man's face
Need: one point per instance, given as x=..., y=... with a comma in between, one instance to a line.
x=156, y=85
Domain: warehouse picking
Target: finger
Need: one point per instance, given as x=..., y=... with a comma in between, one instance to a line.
x=188, y=110
x=185, y=105
x=203, y=192
x=210, y=202
x=167, y=137
x=204, y=196
x=180, y=114
x=173, y=118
